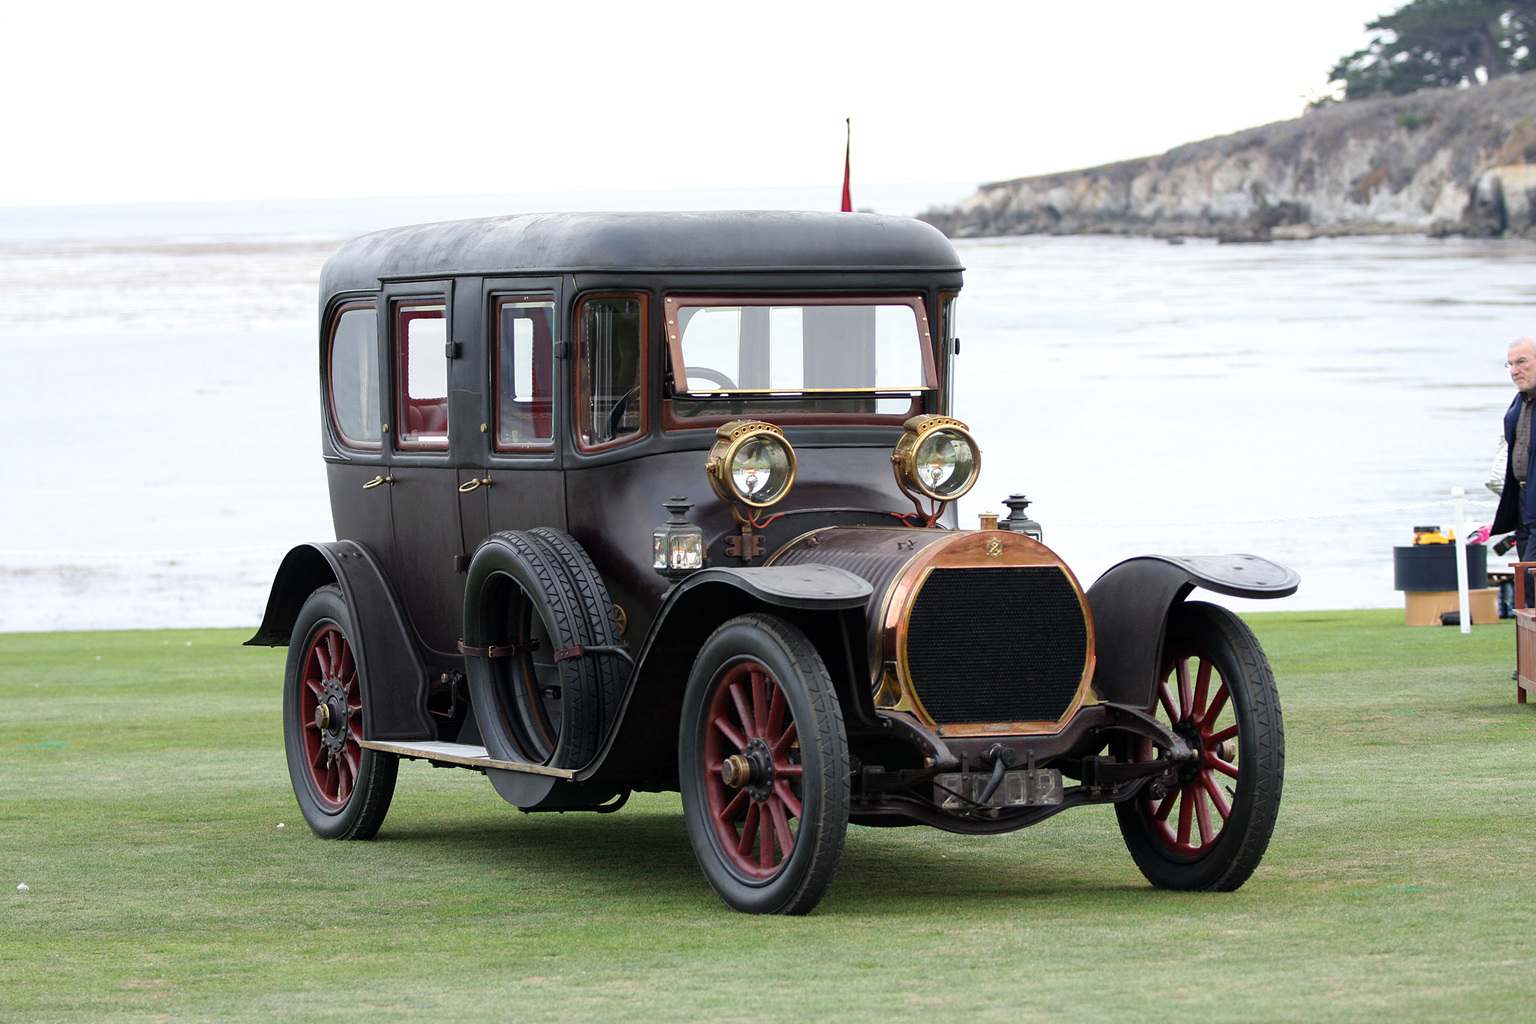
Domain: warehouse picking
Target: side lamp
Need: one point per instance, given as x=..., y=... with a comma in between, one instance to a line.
x=678, y=545
x=1018, y=520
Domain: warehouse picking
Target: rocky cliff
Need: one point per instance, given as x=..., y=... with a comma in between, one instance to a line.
x=1438, y=161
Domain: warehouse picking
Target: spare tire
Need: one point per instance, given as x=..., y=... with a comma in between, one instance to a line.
x=599, y=614
x=531, y=602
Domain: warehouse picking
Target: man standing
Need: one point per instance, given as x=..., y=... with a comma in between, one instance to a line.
x=1515, y=513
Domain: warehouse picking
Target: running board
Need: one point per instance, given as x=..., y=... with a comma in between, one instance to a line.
x=466, y=754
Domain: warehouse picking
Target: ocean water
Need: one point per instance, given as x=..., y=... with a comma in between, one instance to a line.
x=1305, y=401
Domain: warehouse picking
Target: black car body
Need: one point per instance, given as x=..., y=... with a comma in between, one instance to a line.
x=803, y=636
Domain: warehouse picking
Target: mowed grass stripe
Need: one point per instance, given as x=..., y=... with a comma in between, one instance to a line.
x=161, y=886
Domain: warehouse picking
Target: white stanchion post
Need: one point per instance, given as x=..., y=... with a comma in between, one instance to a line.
x=1464, y=599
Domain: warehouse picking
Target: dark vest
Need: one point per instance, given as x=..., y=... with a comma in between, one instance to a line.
x=1507, y=518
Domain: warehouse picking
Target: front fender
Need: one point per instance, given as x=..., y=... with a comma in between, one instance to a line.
x=788, y=586
x=827, y=603
x=394, y=679
x=1131, y=602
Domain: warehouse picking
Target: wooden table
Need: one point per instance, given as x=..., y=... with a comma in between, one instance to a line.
x=1525, y=632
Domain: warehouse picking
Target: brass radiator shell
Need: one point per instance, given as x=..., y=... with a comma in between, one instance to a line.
x=975, y=633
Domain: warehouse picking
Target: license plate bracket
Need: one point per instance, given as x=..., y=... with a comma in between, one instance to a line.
x=1021, y=787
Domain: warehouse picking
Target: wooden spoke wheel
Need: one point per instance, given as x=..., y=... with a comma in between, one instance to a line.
x=343, y=789
x=331, y=709
x=764, y=767
x=1210, y=829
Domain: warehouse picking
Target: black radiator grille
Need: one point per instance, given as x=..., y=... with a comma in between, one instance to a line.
x=1005, y=644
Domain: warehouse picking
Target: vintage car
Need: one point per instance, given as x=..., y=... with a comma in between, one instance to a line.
x=664, y=502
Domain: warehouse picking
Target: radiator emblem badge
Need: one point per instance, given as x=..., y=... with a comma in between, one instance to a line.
x=994, y=547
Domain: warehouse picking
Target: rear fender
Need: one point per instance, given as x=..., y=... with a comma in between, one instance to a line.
x=1131, y=603
x=827, y=603
x=394, y=680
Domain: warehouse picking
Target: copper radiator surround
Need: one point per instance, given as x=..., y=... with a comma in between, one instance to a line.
x=898, y=562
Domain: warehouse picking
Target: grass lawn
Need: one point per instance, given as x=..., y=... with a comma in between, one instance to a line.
x=142, y=786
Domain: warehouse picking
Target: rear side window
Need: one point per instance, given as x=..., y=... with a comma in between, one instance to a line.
x=610, y=401
x=421, y=339
x=525, y=344
x=353, y=375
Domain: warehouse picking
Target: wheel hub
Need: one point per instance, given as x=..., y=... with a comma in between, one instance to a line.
x=752, y=770
x=1189, y=731
x=331, y=715
x=735, y=771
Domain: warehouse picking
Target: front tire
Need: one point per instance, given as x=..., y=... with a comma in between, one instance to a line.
x=343, y=788
x=764, y=767
x=1217, y=691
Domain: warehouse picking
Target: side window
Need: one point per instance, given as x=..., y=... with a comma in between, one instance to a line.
x=352, y=374
x=421, y=355
x=610, y=361
x=525, y=344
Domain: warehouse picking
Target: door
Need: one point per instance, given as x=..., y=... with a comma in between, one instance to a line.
x=424, y=494
x=526, y=354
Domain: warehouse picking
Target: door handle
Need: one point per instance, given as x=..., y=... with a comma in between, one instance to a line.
x=472, y=484
x=371, y=484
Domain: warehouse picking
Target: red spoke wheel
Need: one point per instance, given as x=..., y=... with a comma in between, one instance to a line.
x=1209, y=828
x=752, y=765
x=764, y=767
x=343, y=789
x=330, y=710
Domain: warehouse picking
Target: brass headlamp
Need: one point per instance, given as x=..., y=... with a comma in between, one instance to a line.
x=751, y=464
x=936, y=457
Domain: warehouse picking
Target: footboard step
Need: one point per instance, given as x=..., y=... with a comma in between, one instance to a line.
x=466, y=754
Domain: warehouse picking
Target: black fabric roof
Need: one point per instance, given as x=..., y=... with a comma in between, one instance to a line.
x=716, y=241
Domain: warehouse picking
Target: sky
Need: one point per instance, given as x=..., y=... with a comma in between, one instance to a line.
x=166, y=101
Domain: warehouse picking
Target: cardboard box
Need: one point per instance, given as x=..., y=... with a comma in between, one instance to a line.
x=1426, y=606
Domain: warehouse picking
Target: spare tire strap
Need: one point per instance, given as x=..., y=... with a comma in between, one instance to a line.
x=499, y=652
x=578, y=651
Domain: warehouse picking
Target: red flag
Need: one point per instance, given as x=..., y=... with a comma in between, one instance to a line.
x=847, y=195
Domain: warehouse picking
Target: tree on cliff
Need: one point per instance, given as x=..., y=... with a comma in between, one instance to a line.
x=1441, y=42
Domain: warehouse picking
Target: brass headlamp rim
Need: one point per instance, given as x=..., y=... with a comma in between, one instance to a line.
x=904, y=457
x=731, y=436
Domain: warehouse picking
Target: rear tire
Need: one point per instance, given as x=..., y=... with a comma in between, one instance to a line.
x=1216, y=691
x=343, y=788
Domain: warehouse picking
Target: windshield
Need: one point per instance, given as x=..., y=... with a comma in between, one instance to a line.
x=799, y=355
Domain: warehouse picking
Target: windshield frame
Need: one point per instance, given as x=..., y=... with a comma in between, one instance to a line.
x=917, y=394
x=914, y=302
